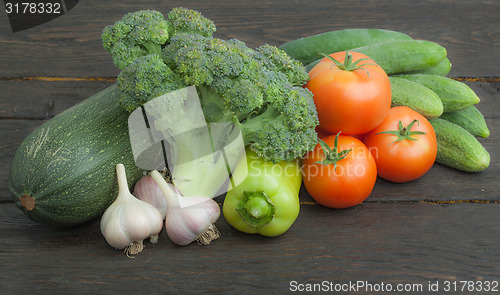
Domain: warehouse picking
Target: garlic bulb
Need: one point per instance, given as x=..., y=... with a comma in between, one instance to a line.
x=146, y=189
x=128, y=221
x=188, y=218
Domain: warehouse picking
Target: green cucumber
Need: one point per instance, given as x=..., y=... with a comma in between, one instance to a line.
x=404, y=55
x=470, y=119
x=458, y=148
x=309, y=67
x=415, y=96
x=308, y=49
x=454, y=94
x=63, y=173
x=443, y=68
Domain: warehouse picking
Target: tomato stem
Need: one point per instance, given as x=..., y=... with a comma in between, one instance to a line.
x=332, y=155
x=404, y=133
x=348, y=64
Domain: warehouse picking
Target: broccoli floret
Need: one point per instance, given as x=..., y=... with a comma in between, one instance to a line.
x=190, y=22
x=284, y=130
x=136, y=34
x=144, y=79
x=278, y=60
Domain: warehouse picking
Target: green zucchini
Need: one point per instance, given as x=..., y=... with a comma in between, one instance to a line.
x=63, y=172
x=458, y=148
x=308, y=49
x=443, y=68
x=415, y=96
x=470, y=119
x=404, y=55
x=454, y=94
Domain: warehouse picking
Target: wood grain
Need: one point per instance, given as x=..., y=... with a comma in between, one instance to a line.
x=413, y=243
x=70, y=46
x=42, y=100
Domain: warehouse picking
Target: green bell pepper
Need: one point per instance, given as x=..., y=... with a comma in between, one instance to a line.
x=267, y=200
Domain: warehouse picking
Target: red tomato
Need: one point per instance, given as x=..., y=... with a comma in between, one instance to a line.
x=352, y=101
x=403, y=154
x=347, y=179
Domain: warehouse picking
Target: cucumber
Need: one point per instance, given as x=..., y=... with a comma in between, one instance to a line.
x=454, y=94
x=404, y=55
x=63, y=173
x=470, y=119
x=443, y=68
x=309, y=67
x=458, y=148
x=397, y=57
x=415, y=96
x=308, y=49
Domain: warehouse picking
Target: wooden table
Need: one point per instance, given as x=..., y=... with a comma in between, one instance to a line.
x=443, y=228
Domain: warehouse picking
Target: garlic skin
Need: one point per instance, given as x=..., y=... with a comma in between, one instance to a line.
x=188, y=218
x=195, y=216
x=146, y=189
x=128, y=221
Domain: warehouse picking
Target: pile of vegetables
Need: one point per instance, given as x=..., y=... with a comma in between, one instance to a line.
x=334, y=111
x=388, y=94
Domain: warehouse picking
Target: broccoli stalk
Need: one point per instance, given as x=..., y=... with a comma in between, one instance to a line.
x=194, y=150
x=257, y=90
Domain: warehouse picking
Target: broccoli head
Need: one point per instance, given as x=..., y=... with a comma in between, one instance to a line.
x=259, y=90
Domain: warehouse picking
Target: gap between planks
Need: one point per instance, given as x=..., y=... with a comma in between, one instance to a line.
x=436, y=202
x=112, y=79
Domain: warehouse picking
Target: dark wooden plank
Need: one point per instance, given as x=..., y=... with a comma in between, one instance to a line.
x=25, y=105
x=390, y=243
x=441, y=183
x=41, y=100
x=70, y=46
x=13, y=132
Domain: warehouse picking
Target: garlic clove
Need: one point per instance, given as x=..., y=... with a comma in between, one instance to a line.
x=146, y=189
x=109, y=225
x=188, y=224
x=207, y=204
x=128, y=220
x=188, y=218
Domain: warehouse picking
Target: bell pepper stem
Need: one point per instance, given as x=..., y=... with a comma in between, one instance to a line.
x=256, y=208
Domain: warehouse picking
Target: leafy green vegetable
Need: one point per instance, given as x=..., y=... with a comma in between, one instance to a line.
x=259, y=90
